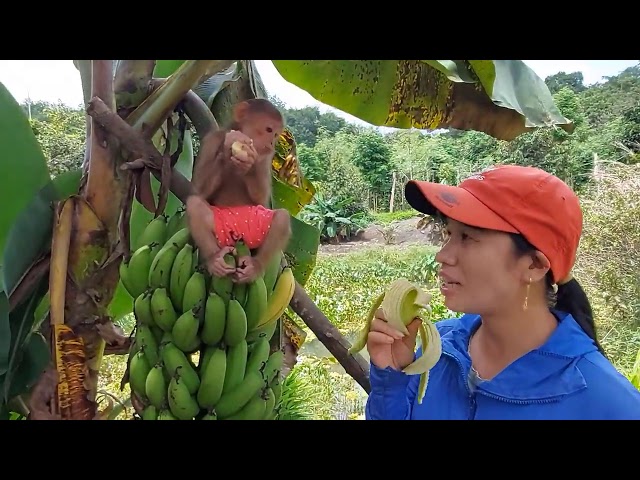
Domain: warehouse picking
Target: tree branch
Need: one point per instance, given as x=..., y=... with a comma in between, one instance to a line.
x=355, y=365
x=138, y=146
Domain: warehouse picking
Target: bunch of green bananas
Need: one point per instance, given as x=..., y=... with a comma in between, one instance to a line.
x=202, y=344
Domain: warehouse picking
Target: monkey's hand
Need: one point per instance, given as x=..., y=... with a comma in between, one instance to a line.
x=216, y=264
x=248, y=270
x=233, y=136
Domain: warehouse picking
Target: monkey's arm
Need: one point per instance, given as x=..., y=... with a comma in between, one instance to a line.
x=258, y=182
x=208, y=173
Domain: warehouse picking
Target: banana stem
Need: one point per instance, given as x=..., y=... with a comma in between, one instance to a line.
x=195, y=108
x=59, y=261
x=131, y=83
x=158, y=106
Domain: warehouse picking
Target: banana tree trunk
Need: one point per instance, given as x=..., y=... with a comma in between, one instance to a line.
x=88, y=246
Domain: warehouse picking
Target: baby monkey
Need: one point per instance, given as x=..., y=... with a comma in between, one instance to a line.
x=232, y=180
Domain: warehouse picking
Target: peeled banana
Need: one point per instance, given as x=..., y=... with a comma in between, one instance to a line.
x=182, y=312
x=401, y=303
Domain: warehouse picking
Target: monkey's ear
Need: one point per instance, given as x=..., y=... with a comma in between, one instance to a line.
x=240, y=111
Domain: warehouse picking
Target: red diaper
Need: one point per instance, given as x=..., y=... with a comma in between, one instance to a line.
x=249, y=223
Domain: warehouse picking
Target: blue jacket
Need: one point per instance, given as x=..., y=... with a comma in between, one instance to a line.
x=566, y=378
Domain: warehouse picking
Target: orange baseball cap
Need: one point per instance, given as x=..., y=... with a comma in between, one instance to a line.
x=509, y=198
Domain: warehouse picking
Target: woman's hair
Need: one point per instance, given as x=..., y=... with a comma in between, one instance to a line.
x=570, y=297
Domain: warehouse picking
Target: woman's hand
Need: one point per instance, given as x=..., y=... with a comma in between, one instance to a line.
x=390, y=347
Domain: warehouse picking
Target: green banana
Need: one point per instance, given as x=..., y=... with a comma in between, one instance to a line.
x=156, y=386
x=195, y=291
x=276, y=388
x=181, y=272
x=255, y=409
x=160, y=271
x=125, y=277
x=176, y=222
x=178, y=239
x=166, y=415
x=235, y=328
x=164, y=315
x=158, y=333
x=258, y=356
x=150, y=413
x=142, y=309
x=215, y=318
x=233, y=400
x=175, y=361
x=146, y=341
x=138, y=269
x=242, y=250
x=210, y=416
x=270, y=402
x=223, y=286
x=154, y=232
x=236, y=365
x=271, y=273
x=181, y=402
x=266, y=331
x=272, y=366
x=256, y=302
x=205, y=356
x=185, y=330
x=239, y=293
x=212, y=379
x=138, y=370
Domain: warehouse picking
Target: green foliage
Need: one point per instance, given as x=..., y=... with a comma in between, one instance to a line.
x=609, y=257
x=330, y=217
x=60, y=131
x=372, y=156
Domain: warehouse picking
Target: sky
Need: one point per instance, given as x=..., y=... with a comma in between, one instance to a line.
x=58, y=80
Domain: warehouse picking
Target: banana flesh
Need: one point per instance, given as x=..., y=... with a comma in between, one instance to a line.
x=202, y=347
x=401, y=303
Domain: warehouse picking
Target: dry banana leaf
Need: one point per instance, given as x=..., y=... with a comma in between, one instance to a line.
x=502, y=98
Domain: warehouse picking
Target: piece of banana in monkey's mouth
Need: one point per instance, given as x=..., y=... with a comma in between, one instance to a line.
x=238, y=149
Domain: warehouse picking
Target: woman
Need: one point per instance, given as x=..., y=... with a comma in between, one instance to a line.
x=512, y=235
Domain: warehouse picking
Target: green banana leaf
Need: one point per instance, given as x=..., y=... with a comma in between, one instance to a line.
x=208, y=89
x=164, y=68
x=122, y=303
x=302, y=250
x=35, y=223
x=5, y=333
x=26, y=360
x=502, y=98
x=23, y=165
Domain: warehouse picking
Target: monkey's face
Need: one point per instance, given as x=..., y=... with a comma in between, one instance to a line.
x=264, y=131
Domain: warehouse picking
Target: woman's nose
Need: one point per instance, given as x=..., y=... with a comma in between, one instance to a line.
x=446, y=255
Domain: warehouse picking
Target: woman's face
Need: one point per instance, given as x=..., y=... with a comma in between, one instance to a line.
x=480, y=272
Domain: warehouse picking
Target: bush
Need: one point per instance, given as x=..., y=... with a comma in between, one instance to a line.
x=609, y=258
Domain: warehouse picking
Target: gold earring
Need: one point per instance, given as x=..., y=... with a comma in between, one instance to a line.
x=526, y=298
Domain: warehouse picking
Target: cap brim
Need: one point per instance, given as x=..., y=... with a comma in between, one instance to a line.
x=455, y=203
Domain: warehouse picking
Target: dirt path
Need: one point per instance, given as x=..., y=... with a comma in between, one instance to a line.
x=402, y=233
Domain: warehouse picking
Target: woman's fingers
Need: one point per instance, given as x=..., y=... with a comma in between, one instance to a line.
x=380, y=338
x=379, y=325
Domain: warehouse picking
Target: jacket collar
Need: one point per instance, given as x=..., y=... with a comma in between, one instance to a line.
x=544, y=374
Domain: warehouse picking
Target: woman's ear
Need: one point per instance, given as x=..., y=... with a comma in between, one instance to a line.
x=538, y=267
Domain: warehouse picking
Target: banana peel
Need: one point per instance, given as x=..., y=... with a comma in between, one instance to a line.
x=401, y=303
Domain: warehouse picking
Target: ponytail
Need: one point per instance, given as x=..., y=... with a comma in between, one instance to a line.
x=570, y=296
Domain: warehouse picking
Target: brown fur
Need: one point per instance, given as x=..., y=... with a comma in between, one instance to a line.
x=220, y=179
